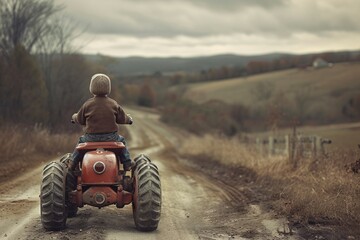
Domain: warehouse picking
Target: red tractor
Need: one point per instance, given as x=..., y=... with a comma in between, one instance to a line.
x=99, y=181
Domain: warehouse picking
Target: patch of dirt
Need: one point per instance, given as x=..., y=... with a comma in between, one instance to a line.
x=20, y=203
x=15, y=207
x=239, y=182
x=15, y=167
x=81, y=227
x=245, y=212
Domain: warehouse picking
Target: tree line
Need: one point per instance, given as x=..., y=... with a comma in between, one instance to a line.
x=42, y=78
x=256, y=67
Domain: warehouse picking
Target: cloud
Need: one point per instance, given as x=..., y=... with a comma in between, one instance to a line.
x=160, y=27
x=234, y=5
x=211, y=17
x=242, y=44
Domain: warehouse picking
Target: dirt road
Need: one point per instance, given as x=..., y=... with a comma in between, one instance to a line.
x=194, y=205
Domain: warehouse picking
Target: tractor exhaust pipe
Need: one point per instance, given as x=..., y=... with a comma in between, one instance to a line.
x=100, y=199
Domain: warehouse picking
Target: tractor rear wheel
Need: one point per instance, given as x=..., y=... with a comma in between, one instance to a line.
x=141, y=159
x=53, y=196
x=72, y=209
x=147, y=196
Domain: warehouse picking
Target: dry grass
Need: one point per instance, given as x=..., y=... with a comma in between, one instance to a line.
x=319, y=190
x=229, y=152
x=23, y=147
x=18, y=141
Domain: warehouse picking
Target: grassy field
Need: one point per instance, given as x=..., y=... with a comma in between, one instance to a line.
x=318, y=94
x=325, y=84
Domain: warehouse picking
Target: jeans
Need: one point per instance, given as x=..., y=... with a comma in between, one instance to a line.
x=102, y=137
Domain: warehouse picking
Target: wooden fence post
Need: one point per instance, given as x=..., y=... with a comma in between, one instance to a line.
x=271, y=146
x=300, y=147
x=259, y=145
x=318, y=146
x=322, y=143
x=287, y=147
x=293, y=150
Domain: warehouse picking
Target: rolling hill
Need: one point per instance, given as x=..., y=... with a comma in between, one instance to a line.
x=315, y=93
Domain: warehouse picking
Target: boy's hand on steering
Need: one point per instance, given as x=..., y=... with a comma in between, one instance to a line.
x=73, y=117
x=130, y=119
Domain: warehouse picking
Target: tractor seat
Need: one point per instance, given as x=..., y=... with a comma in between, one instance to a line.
x=111, y=146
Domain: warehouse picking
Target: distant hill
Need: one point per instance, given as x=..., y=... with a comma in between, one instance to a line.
x=128, y=66
x=143, y=65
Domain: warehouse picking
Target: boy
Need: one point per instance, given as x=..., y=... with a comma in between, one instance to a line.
x=100, y=116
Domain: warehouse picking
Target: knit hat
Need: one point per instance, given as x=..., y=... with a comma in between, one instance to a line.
x=100, y=85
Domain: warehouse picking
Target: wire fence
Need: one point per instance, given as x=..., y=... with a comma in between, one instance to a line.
x=294, y=146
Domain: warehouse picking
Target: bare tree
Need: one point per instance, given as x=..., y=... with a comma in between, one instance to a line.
x=35, y=47
x=52, y=50
x=25, y=23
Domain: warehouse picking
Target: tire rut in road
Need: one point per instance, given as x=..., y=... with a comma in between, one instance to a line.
x=235, y=197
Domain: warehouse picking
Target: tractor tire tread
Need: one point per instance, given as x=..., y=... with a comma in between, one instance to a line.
x=148, y=205
x=52, y=197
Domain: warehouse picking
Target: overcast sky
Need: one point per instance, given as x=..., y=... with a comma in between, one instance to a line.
x=208, y=27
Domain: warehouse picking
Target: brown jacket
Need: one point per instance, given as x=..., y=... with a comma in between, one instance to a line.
x=101, y=114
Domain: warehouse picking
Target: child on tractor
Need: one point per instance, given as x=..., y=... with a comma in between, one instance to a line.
x=100, y=115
